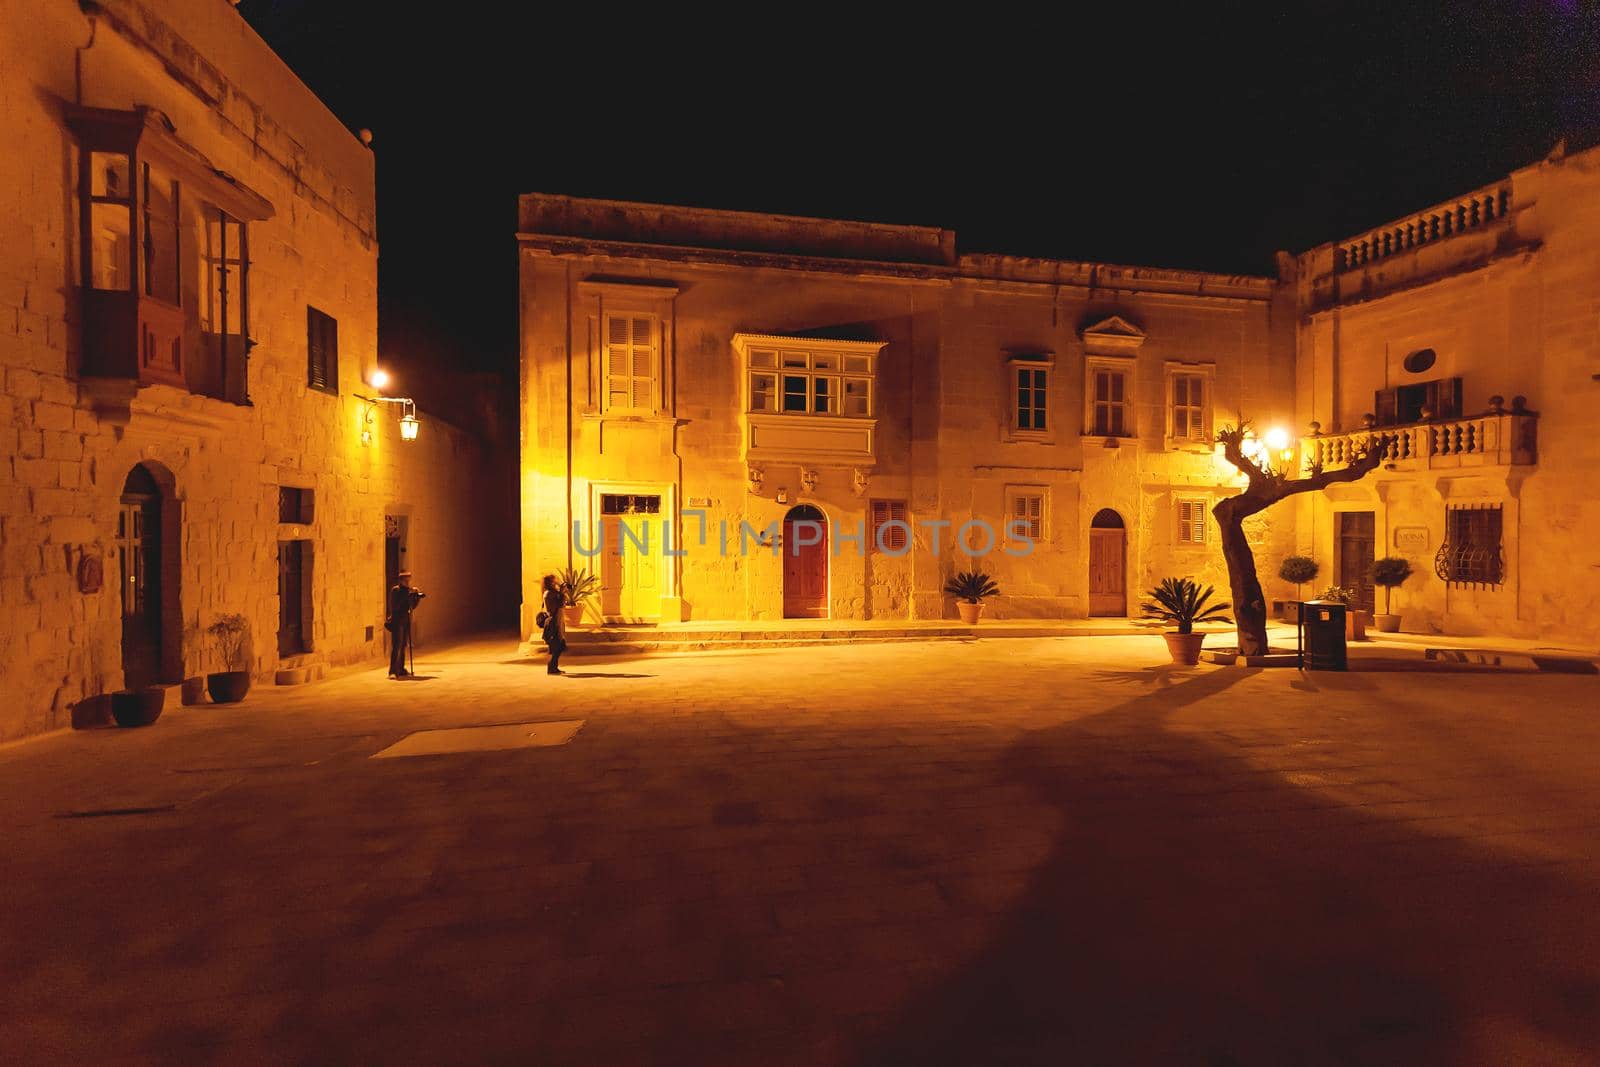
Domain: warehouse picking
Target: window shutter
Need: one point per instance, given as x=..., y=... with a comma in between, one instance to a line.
x=1385, y=407
x=1444, y=398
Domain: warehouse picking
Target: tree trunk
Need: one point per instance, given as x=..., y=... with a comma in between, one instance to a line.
x=1249, y=603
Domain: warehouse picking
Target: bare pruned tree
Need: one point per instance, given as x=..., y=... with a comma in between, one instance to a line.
x=1267, y=486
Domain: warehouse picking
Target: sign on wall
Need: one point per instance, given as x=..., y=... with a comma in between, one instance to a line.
x=1411, y=538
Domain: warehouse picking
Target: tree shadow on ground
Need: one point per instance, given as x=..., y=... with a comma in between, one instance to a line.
x=1198, y=908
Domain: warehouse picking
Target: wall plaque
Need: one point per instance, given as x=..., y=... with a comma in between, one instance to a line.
x=1411, y=538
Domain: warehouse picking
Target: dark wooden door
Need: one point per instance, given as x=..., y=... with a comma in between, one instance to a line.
x=1357, y=550
x=139, y=553
x=291, y=598
x=805, y=566
x=1107, y=571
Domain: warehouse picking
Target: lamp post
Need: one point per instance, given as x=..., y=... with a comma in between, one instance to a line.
x=408, y=408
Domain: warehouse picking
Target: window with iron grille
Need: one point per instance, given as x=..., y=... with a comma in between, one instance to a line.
x=1471, y=553
x=322, y=351
x=886, y=537
x=1192, y=521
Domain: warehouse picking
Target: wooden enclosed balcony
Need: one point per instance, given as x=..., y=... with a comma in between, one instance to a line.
x=1496, y=438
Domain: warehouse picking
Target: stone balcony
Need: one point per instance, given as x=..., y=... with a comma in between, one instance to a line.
x=1497, y=438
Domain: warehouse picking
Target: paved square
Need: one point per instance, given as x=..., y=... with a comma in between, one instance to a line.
x=1043, y=851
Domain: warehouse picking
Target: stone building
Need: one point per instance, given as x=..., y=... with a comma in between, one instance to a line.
x=188, y=321
x=1464, y=338
x=724, y=376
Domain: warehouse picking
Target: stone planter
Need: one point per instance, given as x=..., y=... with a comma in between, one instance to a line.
x=228, y=687
x=573, y=615
x=971, y=611
x=137, y=707
x=1355, y=624
x=1184, y=648
x=92, y=712
x=1389, y=624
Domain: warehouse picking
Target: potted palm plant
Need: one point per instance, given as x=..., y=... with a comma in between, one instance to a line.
x=1355, y=620
x=1299, y=570
x=1389, y=572
x=576, y=585
x=969, y=588
x=1183, y=603
x=232, y=635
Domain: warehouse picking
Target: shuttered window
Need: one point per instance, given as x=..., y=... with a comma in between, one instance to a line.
x=1027, y=510
x=630, y=362
x=1188, y=407
x=1192, y=522
x=886, y=538
x=322, y=351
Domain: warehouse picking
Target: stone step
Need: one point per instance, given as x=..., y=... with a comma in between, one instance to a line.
x=1518, y=660
x=669, y=636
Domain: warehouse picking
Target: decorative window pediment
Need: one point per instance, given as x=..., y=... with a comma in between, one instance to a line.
x=1113, y=336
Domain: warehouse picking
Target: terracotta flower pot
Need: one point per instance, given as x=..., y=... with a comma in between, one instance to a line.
x=573, y=614
x=970, y=611
x=1184, y=648
x=228, y=687
x=138, y=707
x=1389, y=624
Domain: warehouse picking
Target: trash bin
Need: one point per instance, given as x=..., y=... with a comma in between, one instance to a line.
x=1322, y=635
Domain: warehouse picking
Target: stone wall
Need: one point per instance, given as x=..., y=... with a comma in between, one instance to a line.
x=1511, y=308
x=64, y=456
x=945, y=442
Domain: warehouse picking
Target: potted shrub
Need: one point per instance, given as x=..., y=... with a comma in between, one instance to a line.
x=232, y=635
x=576, y=586
x=969, y=588
x=1355, y=620
x=1389, y=572
x=1299, y=570
x=138, y=707
x=1183, y=603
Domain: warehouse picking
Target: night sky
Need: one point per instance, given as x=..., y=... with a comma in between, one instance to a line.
x=1205, y=140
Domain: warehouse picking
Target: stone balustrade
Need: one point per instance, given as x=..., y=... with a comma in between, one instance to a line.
x=1473, y=211
x=1491, y=439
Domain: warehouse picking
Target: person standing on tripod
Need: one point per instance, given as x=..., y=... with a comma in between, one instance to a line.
x=402, y=602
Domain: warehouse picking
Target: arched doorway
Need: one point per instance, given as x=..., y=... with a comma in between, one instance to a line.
x=805, y=563
x=1108, y=564
x=141, y=555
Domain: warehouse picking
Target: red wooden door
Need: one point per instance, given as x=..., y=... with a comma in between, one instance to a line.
x=1107, y=567
x=805, y=565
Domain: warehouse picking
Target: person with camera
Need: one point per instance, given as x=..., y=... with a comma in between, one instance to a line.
x=403, y=601
x=553, y=623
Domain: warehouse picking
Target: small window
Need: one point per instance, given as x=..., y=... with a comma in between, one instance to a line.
x=1032, y=398
x=1471, y=553
x=629, y=504
x=1192, y=522
x=857, y=397
x=794, y=392
x=1419, y=361
x=1110, y=404
x=824, y=395
x=763, y=392
x=1026, y=513
x=322, y=351
x=295, y=505
x=886, y=538
x=763, y=359
x=1188, y=407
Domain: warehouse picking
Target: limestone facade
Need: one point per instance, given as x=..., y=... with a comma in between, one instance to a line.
x=711, y=372
x=1468, y=332
x=131, y=375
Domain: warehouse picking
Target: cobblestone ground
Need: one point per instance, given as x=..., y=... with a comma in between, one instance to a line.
x=1010, y=852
